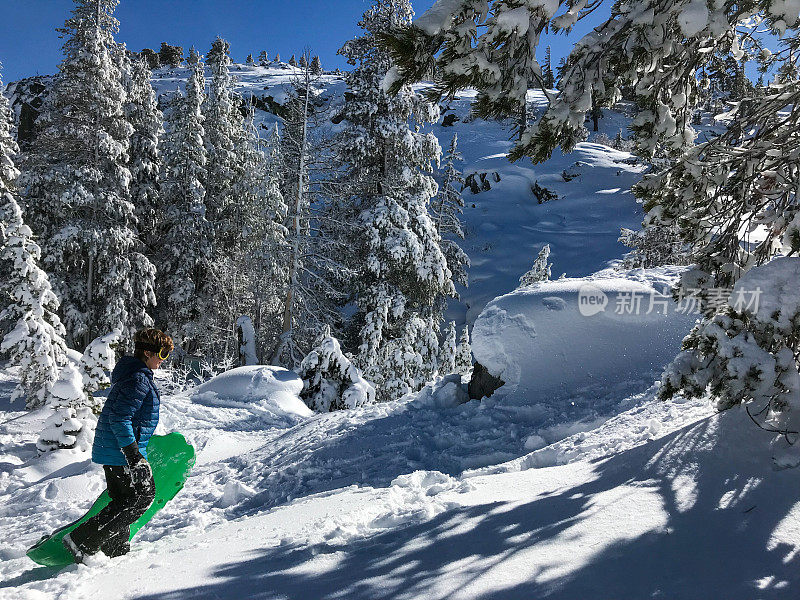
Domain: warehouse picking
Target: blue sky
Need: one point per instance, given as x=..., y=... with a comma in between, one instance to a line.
x=29, y=44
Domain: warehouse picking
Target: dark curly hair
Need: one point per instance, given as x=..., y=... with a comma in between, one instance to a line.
x=152, y=336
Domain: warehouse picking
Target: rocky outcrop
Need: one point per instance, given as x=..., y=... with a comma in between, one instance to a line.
x=483, y=384
x=27, y=97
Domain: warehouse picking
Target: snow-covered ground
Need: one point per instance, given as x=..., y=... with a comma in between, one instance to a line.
x=664, y=500
x=586, y=488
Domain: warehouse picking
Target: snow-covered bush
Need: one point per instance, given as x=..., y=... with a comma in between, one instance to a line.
x=748, y=352
x=99, y=358
x=71, y=424
x=445, y=392
x=330, y=380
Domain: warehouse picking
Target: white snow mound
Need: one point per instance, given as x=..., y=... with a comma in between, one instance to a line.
x=271, y=388
x=557, y=337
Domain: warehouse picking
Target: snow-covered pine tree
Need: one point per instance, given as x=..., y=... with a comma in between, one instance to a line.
x=71, y=423
x=316, y=66
x=230, y=213
x=144, y=162
x=445, y=210
x=224, y=128
x=330, y=380
x=269, y=246
x=293, y=61
x=747, y=353
x=35, y=339
x=407, y=361
x=548, y=79
x=98, y=358
x=187, y=239
x=303, y=62
x=249, y=61
x=277, y=57
x=447, y=353
x=540, y=271
x=403, y=274
x=464, y=353
x=171, y=55
x=77, y=199
x=733, y=203
x=263, y=58
x=151, y=57
x=255, y=269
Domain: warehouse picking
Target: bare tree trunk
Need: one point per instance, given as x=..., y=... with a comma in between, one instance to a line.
x=294, y=266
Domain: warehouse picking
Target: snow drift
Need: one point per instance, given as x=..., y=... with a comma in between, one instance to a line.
x=271, y=389
x=557, y=337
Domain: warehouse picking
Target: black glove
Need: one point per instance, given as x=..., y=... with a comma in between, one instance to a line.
x=141, y=473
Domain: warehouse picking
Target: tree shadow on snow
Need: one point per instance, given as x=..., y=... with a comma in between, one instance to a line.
x=321, y=458
x=720, y=505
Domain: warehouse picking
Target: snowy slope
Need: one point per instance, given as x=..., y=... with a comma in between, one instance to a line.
x=689, y=510
x=506, y=227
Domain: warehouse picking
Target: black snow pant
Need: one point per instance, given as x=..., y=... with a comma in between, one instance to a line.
x=109, y=529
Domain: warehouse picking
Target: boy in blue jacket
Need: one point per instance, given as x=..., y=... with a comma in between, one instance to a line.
x=128, y=419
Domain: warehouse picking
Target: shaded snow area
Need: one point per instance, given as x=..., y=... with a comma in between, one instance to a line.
x=571, y=482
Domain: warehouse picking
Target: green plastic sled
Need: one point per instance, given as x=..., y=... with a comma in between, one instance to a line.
x=170, y=456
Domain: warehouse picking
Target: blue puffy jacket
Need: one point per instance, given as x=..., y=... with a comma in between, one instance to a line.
x=130, y=413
